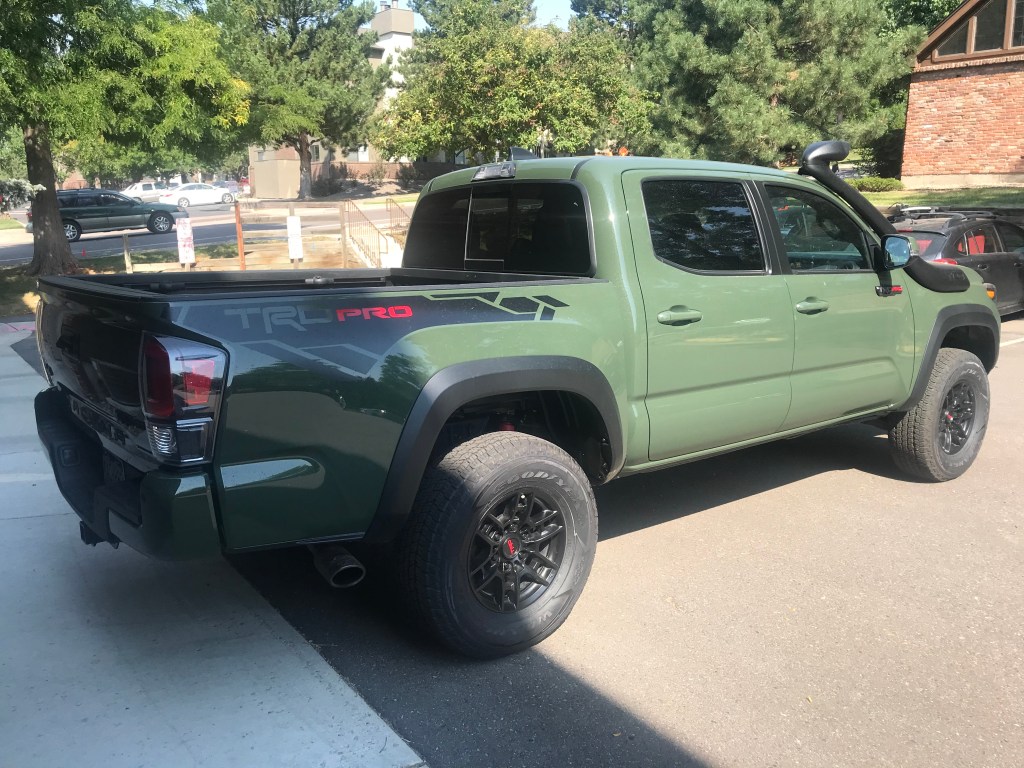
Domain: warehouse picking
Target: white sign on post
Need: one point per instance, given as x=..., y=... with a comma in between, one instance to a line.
x=294, y=238
x=186, y=245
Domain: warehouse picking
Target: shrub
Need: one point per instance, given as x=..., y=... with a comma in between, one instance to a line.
x=876, y=184
x=377, y=174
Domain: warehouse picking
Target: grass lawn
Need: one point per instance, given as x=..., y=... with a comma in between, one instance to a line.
x=6, y=222
x=979, y=197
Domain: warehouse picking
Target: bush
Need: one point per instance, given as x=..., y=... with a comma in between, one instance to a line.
x=876, y=184
x=377, y=174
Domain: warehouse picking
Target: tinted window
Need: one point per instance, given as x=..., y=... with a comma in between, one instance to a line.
x=702, y=225
x=980, y=240
x=817, y=234
x=518, y=227
x=1013, y=237
x=83, y=200
x=108, y=199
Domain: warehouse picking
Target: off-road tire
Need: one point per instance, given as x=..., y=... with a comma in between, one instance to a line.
x=160, y=223
x=500, y=476
x=939, y=438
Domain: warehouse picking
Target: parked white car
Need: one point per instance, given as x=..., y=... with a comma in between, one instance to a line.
x=196, y=194
x=145, y=191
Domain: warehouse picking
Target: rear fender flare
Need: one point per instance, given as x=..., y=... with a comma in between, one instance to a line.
x=451, y=388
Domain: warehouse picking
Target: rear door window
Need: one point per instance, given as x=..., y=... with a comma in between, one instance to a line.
x=703, y=226
x=538, y=228
x=980, y=240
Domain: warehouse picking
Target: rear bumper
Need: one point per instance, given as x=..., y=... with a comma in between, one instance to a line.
x=166, y=515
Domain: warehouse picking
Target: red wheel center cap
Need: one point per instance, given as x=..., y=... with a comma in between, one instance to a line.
x=510, y=547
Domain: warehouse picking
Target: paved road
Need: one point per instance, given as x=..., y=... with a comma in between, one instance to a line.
x=211, y=224
x=800, y=603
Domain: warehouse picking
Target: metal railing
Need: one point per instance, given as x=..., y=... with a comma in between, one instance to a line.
x=398, y=216
x=369, y=241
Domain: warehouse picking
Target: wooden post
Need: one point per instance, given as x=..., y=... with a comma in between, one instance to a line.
x=127, y=254
x=238, y=234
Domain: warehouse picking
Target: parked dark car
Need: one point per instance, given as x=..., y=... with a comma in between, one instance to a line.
x=104, y=210
x=990, y=244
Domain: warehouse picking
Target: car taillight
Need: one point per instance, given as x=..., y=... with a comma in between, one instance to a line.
x=944, y=260
x=181, y=382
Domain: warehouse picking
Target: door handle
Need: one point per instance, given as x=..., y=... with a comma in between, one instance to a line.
x=981, y=266
x=811, y=306
x=679, y=316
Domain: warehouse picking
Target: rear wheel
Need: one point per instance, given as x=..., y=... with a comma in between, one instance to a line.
x=183, y=202
x=500, y=544
x=160, y=223
x=72, y=231
x=227, y=198
x=939, y=438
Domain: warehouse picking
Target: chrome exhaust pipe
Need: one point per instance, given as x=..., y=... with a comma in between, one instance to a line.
x=337, y=565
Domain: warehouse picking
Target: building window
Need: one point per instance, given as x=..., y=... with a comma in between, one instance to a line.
x=260, y=154
x=994, y=26
x=314, y=150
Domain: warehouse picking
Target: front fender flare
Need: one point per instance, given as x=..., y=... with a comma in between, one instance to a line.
x=451, y=388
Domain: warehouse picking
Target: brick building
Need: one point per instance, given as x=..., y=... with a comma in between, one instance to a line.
x=965, y=117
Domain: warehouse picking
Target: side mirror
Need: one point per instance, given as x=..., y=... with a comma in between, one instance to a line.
x=897, y=251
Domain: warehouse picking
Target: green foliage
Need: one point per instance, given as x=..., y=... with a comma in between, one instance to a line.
x=14, y=193
x=306, y=63
x=482, y=80
x=750, y=80
x=12, y=154
x=876, y=184
x=921, y=13
x=123, y=73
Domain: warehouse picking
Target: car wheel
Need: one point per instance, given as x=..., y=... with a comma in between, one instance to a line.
x=159, y=223
x=183, y=202
x=500, y=544
x=939, y=438
x=72, y=231
x=227, y=198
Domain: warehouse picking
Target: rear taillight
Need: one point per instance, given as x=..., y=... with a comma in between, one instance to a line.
x=181, y=384
x=944, y=260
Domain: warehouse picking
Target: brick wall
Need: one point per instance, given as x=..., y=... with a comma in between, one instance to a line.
x=966, y=118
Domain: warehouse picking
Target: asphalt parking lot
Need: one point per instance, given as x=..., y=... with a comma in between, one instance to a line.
x=800, y=603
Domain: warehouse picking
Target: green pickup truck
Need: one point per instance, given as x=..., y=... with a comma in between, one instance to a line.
x=555, y=324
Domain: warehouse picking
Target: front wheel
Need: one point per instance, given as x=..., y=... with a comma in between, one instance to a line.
x=500, y=544
x=939, y=438
x=159, y=223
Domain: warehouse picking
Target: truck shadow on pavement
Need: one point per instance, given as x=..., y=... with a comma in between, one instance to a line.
x=527, y=710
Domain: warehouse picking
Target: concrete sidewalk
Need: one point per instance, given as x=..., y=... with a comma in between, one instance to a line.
x=111, y=659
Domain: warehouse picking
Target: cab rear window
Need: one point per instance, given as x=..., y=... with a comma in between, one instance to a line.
x=522, y=227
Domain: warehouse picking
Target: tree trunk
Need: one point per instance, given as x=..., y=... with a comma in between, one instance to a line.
x=305, y=166
x=51, y=254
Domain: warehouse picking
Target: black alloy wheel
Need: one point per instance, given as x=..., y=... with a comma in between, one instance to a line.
x=957, y=418
x=516, y=552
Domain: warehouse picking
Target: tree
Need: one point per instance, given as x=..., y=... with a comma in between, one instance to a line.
x=15, y=192
x=482, y=80
x=133, y=74
x=307, y=64
x=750, y=80
x=922, y=13
x=12, y=155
